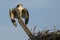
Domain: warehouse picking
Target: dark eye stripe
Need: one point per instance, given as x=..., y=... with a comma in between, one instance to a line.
x=17, y=5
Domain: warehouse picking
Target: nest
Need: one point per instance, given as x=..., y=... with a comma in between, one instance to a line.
x=46, y=35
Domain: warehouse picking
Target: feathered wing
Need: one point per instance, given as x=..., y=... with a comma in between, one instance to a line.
x=25, y=14
x=27, y=17
x=12, y=17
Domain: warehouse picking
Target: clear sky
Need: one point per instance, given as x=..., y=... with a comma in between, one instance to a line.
x=45, y=14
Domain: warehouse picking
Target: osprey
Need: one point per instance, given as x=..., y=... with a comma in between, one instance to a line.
x=19, y=12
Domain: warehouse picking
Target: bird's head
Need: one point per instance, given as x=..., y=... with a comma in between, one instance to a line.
x=19, y=5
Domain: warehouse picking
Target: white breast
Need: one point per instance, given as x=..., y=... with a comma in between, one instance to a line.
x=20, y=10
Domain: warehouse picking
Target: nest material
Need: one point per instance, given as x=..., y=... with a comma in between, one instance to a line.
x=46, y=35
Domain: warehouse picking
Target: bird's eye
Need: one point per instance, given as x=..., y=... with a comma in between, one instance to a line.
x=17, y=5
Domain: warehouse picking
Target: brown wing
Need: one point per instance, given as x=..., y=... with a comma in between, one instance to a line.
x=25, y=14
x=12, y=17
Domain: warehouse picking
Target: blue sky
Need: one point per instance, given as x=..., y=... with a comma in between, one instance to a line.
x=45, y=14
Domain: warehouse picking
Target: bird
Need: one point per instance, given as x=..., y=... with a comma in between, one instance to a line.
x=19, y=12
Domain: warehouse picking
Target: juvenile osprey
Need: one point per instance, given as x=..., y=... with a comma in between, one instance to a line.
x=19, y=12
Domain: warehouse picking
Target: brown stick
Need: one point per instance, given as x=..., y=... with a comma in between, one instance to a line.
x=25, y=28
